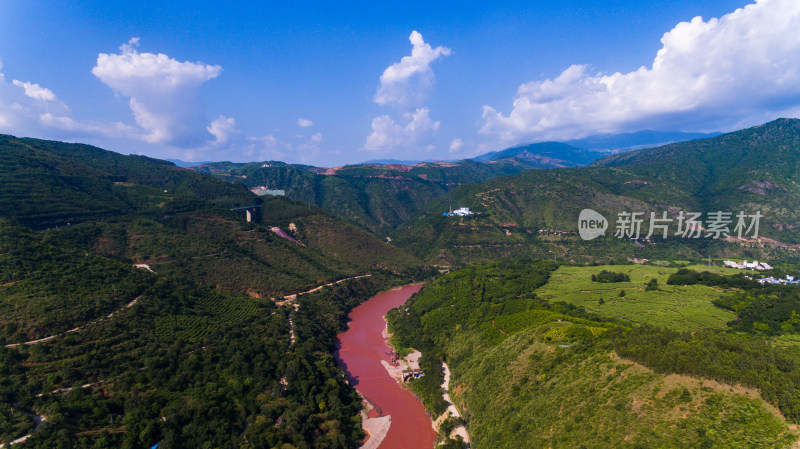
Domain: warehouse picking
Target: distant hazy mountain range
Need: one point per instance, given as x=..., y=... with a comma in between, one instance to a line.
x=552, y=154
x=579, y=152
x=185, y=164
x=381, y=194
x=618, y=143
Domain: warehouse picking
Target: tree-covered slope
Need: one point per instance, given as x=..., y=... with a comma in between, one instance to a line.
x=531, y=373
x=375, y=196
x=146, y=211
x=542, y=155
x=46, y=184
x=136, y=307
x=752, y=169
x=749, y=171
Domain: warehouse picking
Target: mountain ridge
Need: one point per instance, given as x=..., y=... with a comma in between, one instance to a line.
x=744, y=171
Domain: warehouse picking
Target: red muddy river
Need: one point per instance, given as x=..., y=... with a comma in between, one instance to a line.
x=361, y=350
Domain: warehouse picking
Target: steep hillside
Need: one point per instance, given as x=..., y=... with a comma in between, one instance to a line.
x=128, y=210
x=375, y=196
x=138, y=306
x=530, y=373
x=754, y=170
x=178, y=221
x=536, y=214
x=542, y=155
x=48, y=184
x=379, y=196
x=748, y=170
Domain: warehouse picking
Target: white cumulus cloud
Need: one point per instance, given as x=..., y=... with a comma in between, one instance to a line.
x=738, y=70
x=304, y=123
x=455, y=145
x=163, y=93
x=74, y=128
x=36, y=91
x=407, y=83
x=222, y=128
x=388, y=135
x=20, y=109
x=28, y=109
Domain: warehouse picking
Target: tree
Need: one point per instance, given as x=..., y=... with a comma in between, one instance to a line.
x=610, y=276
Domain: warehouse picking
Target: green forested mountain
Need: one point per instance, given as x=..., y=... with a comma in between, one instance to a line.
x=47, y=184
x=528, y=372
x=542, y=155
x=375, y=196
x=148, y=211
x=381, y=196
x=750, y=170
x=137, y=307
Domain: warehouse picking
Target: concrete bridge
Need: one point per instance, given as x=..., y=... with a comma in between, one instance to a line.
x=249, y=211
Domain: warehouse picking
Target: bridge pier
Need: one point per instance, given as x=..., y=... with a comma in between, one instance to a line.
x=249, y=212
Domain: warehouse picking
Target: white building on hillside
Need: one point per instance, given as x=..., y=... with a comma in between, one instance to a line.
x=745, y=265
x=460, y=212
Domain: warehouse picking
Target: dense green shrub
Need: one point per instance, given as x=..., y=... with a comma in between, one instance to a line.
x=610, y=277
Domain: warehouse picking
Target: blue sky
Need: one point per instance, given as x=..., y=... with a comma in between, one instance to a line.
x=328, y=83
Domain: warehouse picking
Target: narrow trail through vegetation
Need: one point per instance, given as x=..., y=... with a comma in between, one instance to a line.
x=75, y=329
x=37, y=419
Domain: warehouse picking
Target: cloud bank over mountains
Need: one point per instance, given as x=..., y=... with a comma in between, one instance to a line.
x=28, y=109
x=163, y=93
x=164, y=97
x=738, y=70
x=388, y=135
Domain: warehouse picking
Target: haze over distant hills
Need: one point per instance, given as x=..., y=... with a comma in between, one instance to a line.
x=567, y=153
x=635, y=140
x=380, y=194
x=542, y=155
x=599, y=144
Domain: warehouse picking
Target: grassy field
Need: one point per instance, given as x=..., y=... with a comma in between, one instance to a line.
x=681, y=308
x=787, y=340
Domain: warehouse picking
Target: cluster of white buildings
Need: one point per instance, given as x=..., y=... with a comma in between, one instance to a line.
x=790, y=280
x=745, y=265
x=756, y=265
x=264, y=190
x=460, y=212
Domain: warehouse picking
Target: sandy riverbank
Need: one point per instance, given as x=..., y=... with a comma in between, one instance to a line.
x=451, y=409
x=376, y=429
x=411, y=361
